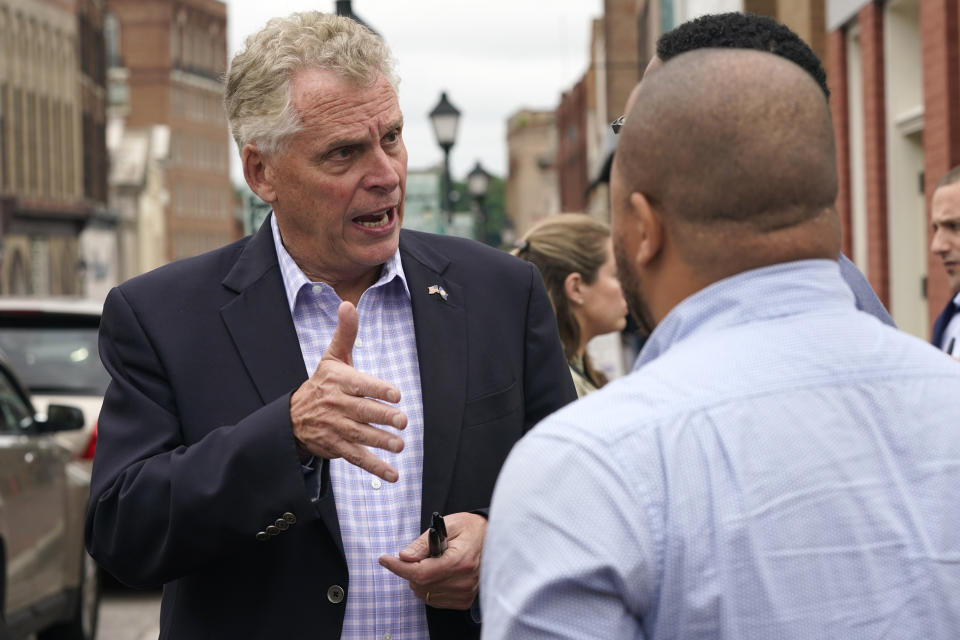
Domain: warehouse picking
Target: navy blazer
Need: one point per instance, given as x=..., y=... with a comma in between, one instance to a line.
x=195, y=453
x=943, y=320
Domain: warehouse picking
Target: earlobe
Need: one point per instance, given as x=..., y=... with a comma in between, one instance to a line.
x=649, y=229
x=571, y=287
x=255, y=173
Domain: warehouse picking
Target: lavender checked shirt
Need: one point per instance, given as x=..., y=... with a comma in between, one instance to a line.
x=376, y=517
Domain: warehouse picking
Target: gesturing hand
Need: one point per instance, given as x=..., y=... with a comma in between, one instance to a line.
x=331, y=412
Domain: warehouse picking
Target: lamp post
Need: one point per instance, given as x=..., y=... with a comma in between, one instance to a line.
x=478, y=182
x=445, y=117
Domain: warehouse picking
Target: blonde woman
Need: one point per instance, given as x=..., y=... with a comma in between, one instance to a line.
x=574, y=254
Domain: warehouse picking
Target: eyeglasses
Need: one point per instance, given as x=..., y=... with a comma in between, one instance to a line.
x=617, y=124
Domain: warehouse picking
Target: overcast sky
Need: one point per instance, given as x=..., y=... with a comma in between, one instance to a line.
x=492, y=57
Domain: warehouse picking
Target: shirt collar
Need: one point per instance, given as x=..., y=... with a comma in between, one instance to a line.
x=294, y=279
x=779, y=290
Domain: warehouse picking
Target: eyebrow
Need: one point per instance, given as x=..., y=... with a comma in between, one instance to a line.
x=339, y=143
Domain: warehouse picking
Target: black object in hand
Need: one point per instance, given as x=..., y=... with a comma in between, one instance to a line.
x=437, y=535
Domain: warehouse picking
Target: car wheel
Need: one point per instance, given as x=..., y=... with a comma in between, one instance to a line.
x=82, y=624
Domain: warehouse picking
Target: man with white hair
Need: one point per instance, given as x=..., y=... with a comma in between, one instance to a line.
x=287, y=412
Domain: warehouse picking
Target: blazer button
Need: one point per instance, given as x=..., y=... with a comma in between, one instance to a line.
x=335, y=594
x=282, y=524
x=289, y=517
x=272, y=530
x=262, y=536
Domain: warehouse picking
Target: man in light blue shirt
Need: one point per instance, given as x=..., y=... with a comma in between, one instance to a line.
x=779, y=465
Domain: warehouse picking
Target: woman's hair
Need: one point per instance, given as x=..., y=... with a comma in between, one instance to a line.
x=257, y=98
x=558, y=246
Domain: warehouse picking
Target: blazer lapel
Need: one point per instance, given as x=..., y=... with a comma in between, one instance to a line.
x=940, y=325
x=441, y=335
x=259, y=321
x=262, y=329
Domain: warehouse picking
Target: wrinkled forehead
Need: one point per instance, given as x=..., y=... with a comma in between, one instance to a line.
x=321, y=97
x=946, y=201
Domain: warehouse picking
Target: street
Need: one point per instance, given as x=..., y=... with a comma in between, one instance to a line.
x=126, y=614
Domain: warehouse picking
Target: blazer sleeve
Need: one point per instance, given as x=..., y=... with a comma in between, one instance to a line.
x=160, y=507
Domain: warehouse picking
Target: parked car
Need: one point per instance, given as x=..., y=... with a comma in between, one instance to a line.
x=52, y=345
x=48, y=583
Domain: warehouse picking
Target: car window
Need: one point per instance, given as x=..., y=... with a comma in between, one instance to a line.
x=14, y=414
x=55, y=360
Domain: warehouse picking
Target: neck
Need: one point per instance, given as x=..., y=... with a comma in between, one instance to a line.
x=349, y=289
x=582, y=348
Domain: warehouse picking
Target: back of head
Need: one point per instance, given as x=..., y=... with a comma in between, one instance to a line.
x=561, y=245
x=732, y=147
x=742, y=31
x=257, y=98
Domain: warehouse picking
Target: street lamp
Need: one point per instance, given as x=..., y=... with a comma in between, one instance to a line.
x=445, y=117
x=478, y=182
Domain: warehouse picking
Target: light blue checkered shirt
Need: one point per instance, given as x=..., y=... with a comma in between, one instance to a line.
x=780, y=466
x=376, y=517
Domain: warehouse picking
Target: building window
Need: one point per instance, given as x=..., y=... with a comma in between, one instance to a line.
x=4, y=176
x=19, y=161
x=44, y=156
x=33, y=152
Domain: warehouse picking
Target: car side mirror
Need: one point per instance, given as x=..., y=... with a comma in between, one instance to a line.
x=61, y=417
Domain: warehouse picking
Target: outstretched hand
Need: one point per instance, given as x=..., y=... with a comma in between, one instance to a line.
x=452, y=580
x=333, y=411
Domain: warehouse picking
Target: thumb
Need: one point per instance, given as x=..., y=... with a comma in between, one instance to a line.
x=341, y=345
x=416, y=550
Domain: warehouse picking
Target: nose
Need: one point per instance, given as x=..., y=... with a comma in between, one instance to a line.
x=383, y=171
x=938, y=244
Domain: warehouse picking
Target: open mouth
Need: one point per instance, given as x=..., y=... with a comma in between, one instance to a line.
x=376, y=220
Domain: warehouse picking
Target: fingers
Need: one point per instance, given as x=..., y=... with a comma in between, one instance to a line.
x=341, y=345
x=361, y=457
x=333, y=412
x=451, y=584
x=355, y=383
x=365, y=435
x=369, y=411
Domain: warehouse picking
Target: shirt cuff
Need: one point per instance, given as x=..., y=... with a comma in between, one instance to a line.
x=311, y=477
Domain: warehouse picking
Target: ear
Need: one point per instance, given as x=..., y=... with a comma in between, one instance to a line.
x=648, y=227
x=255, y=172
x=572, y=287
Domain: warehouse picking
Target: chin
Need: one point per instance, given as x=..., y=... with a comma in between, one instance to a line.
x=379, y=253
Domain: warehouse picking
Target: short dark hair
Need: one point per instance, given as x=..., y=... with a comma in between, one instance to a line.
x=737, y=30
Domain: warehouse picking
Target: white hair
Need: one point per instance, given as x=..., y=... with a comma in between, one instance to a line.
x=258, y=101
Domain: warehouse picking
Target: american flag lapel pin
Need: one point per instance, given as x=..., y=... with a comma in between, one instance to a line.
x=436, y=289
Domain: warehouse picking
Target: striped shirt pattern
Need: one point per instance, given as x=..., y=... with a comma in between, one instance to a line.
x=376, y=517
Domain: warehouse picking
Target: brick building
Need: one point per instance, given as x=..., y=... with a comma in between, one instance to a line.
x=532, y=192
x=571, y=156
x=52, y=161
x=586, y=110
x=895, y=78
x=172, y=55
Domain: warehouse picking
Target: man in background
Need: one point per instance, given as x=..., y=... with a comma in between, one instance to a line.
x=945, y=220
x=779, y=465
